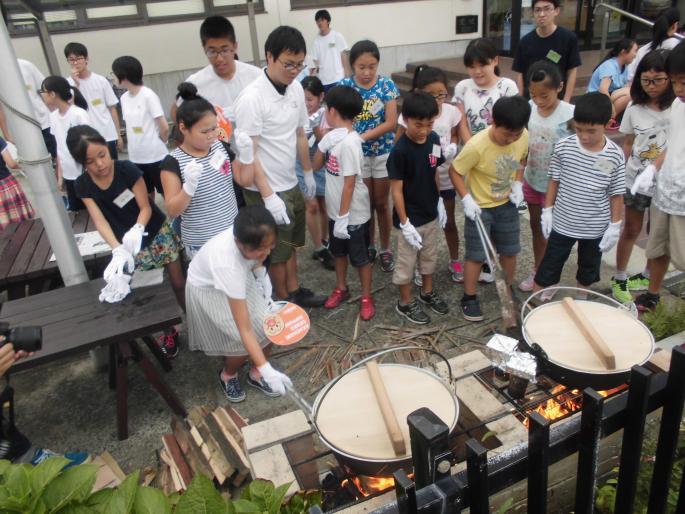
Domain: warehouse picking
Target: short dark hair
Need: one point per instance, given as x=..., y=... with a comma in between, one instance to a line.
x=79, y=138
x=312, y=84
x=252, y=224
x=556, y=3
x=593, y=109
x=365, y=46
x=128, y=68
x=346, y=100
x=481, y=51
x=675, y=63
x=216, y=27
x=545, y=71
x=284, y=39
x=419, y=105
x=78, y=49
x=322, y=14
x=656, y=61
x=61, y=87
x=511, y=112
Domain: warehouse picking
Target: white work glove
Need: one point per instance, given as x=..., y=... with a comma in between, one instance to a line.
x=610, y=237
x=546, y=221
x=411, y=235
x=243, y=144
x=191, y=177
x=116, y=289
x=471, y=208
x=450, y=152
x=133, y=239
x=643, y=182
x=277, y=208
x=276, y=380
x=264, y=282
x=340, y=226
x=122, y=260
x=442, y=213
x=516, y=195
x=309, y=184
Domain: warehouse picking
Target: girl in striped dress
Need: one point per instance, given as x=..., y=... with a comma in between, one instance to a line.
x=197, y=177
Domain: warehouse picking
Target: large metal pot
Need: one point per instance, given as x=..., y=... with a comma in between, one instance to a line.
x=578, y=377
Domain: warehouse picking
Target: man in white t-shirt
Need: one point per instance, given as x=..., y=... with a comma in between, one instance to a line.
x=222, y=80
x=272, y=111
x=329, y=52
x=98, y=92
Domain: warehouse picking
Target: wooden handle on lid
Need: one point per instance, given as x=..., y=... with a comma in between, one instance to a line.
x=585, y=326
x=389, y=417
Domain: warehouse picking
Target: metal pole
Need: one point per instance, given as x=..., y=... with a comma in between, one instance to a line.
x=253, y=33
x=37, y=165
x=605, y=34
x=48, y=47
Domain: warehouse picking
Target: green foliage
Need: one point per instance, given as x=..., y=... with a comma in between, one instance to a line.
x=666, y=320
x=48, y=488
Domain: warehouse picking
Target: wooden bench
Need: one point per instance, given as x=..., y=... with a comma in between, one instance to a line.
x=74, y=321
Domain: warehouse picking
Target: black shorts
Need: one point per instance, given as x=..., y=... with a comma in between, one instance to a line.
x=557, y=252
x=356, y=247
x=448, y=194
x=151, y=176
x=113, y=153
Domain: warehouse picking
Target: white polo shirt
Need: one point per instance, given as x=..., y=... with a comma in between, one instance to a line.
x=33, y=79
x=100, y=96
x=140, y=113
x=220, y=91
x=262, y=111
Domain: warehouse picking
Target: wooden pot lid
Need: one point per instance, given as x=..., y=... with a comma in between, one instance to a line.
x=349, y=418
x=551, y=327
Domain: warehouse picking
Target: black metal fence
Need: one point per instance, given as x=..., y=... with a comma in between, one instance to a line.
x=434, y=490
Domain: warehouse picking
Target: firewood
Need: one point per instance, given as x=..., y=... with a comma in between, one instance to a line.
x=237, y=418
x=105, y=476
x=301, y=360
x=230, y=449
x=217, y=470
x=193, y=454
x=163, y=480
x=235, y=439
x=174, y=451
x=149, y=475
x=177, y=481
x=113, y=465
x=217, y=457
x=229, y=425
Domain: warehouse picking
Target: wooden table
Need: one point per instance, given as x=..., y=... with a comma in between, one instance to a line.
x=74, y=321
x=25, y=256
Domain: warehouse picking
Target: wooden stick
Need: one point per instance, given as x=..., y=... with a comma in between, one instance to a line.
x=598, y=344
x=389, y=417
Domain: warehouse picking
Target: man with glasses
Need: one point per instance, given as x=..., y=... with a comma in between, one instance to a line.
x=548, y=42
x=272, y=111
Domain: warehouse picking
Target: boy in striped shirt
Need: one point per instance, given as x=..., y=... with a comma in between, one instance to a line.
x=584, y=202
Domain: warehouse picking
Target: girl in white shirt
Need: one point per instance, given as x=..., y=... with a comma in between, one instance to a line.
x=68, y=109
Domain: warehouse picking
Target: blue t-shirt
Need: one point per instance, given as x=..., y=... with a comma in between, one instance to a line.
x=373, y=113
x=609, y=68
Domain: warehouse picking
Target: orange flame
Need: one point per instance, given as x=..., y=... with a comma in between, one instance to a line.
x=372, y=485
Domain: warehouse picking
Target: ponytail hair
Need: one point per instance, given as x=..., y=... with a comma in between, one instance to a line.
x=545, y=71
x=624, y=45
x=192, y=110
x=61, y=87
x=661, y=25
x=425, y=75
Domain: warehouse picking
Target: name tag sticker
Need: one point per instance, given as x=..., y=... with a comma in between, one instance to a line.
x=553, y=56
x=376, y=107
x=217, y=161
x=125, y=197
x=436, y=151
x=137, y=130
x=331, y=45
x=604, y=166
x=96, y=101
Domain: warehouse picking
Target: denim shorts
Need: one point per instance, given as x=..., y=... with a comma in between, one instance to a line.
x=502, y=223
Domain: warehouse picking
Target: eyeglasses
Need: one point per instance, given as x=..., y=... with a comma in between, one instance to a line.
x=440, y=96
x=653, y=82
x=543, y=10
x=75, y=60
x=289, y=66
x=223, y=52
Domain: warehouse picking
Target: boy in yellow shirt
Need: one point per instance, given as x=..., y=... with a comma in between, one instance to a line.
x=488, y=175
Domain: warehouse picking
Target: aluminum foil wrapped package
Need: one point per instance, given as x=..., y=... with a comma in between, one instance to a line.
x=522, y=365
x=500, y=348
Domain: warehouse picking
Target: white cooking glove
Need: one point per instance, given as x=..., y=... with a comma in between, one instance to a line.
x=264, y=282
x=122, y=261
x=442, y=213
x=276, y=380
x=610, y=237
x=546, y=219
x=450, y=152
x=332, y=138
x=340, y=226
x=471, y=208
x=277, y=208
x=243, y=144
x=643, y=182
x=116, y=289
x=133, y=239
x=411, y=235
x=309, y=184
x=516, y=195
x=191, y=177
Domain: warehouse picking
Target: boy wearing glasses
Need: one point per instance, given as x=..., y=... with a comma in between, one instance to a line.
x=548, y=42
x=98, y=92
x=272, y=111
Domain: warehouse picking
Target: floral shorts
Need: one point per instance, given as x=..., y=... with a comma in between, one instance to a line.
x=164, y=249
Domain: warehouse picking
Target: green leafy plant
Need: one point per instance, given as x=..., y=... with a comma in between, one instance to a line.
x=47, y=488
x=666, y=319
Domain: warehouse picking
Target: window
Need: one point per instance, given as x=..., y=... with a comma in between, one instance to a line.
x=175, y=8
x=111, y=12
x=321, y=4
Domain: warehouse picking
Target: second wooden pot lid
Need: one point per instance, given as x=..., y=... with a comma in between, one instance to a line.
x=349, y=418
x=555, y=332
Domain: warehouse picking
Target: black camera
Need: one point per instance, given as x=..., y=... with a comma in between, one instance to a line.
x=29, y=339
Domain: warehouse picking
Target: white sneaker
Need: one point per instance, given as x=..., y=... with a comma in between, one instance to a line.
x=486, y=275
x=418, y=279
x=527, y=285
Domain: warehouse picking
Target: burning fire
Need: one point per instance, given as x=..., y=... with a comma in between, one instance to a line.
x=372, y=485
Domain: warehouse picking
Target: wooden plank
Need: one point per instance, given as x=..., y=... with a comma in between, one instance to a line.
x=237, y=418
x=217, y=471
x=272, y=464
x=13, y=247
x=191, y=451
x=228, y=425
x=216, y=450
x=236, y=456
x=163, y=480
x=273, y=430
x=175, y=476
x=660, y=361
x=17, y=272
x=172, y=448
x=600, y=347
x=389, y=417
x=113, y=465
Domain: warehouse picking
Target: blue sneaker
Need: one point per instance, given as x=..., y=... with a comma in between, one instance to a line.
x=75, y=458
x=262, y=386
x=232, y=389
